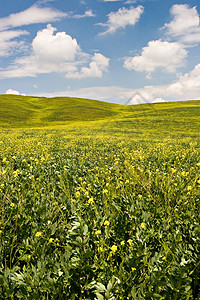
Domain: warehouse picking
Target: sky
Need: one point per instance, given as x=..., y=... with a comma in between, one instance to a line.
x=120, y=51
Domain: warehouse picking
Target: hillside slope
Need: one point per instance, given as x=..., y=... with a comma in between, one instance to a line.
x=91, y=117
x=24, y=111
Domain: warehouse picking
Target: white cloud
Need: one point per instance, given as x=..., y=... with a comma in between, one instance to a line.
x=97, y=66
x=187, y=86
x=54, y=48
x=185, y=19
x=7, y=42
x=122, y=18
x=111, y=0
x=191, y=38
x=185, y=23
x=56, y=53
x=13, y=92
x=32, y=15
x=131, y=1
x=50, y=53
x=88, y=13
x=157, y=54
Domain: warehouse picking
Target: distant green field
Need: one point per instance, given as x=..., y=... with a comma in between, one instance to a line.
x=98, y=200
x=147, y=121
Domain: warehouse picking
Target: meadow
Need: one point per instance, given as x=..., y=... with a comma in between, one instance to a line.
x=99, y=201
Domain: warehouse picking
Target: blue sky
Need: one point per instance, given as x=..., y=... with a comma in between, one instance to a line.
x=124, y=51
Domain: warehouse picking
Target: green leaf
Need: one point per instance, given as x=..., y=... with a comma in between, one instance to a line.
x=99, y=296
x=100, y=287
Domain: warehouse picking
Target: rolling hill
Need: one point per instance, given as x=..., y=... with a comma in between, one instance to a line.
x=168, y=119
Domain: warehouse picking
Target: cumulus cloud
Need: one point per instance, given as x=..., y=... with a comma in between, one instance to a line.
x=187, y=86
x=50, y=53
x=184, y=19
x=122, y=18
x=97, y=66
x=185, y=23
x=56, y=52
x=32, y=15
x=54, y=48
x=13, y=92
x=9, y=43
x=158, y=54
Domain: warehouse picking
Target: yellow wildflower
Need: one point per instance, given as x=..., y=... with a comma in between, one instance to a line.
x=98, y=232
x=113, y=248
x=106, y=223
x=15, y=173
x=133, y=269
x=38, y=234
x=100, y=249
x=173, y=170
x=12, y=204
x=91, y=201
x=78, y=194
x=130, y=242
x=122, y=243
x=143, y=225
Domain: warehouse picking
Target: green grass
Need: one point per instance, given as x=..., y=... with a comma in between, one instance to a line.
x=21, y=111
x=99, y=201
x=147, y=121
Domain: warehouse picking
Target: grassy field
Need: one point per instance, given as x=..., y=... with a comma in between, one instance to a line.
x=98, y=200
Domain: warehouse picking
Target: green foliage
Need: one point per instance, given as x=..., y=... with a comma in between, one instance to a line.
x=88, y=216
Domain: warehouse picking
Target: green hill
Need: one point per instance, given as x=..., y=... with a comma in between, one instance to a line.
x=23, y=111
x=168, y=119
